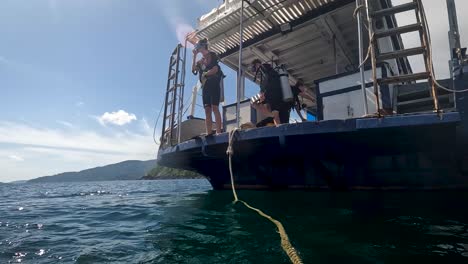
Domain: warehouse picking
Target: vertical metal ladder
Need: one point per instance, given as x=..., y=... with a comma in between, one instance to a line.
x=373, y=14
x=173, y=105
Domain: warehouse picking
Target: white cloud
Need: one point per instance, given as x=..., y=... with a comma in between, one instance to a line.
x=15, y=158
x=17, y=133
x=79, y=104
x=119, y=118
x=50, y=151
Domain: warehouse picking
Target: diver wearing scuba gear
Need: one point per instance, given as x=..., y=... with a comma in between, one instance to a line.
x=271, y=99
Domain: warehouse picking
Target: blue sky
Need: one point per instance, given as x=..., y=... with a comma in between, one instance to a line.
x=82, y=81
x=65, y=64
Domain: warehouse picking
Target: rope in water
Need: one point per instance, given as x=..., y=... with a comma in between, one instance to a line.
x=285, y=243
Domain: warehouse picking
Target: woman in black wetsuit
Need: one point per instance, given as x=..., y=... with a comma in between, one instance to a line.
x=210, y=77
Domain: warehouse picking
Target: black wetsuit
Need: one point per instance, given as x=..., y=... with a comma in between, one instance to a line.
x=211, y=90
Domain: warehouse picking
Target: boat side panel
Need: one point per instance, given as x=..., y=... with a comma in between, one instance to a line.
x=381, y=154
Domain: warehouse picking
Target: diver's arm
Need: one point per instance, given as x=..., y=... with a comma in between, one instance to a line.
x=194, y=63
x=213, y=71
x=304, y=94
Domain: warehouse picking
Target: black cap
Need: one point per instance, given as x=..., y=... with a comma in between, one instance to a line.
x=256, y=61
x=202, y=43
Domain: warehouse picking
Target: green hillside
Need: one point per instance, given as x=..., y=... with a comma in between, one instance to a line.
x=160, y=173
x=127, y=170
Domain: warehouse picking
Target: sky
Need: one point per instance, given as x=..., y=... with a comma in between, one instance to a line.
x=82, y=81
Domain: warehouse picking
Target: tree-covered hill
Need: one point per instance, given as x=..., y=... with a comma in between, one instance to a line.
x=160, y=173
x=126, y=170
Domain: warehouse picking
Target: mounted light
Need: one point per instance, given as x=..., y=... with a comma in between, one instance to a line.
x=285, y=28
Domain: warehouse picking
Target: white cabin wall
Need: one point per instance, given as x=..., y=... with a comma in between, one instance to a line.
x=349, y=104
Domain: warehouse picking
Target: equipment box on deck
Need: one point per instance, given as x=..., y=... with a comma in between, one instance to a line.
x=247, y=115
x=341, y=97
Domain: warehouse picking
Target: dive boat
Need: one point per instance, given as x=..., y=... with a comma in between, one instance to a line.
x=374, y=124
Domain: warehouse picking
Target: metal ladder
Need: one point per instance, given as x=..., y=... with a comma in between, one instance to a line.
x=173, y=105
x=373, y=14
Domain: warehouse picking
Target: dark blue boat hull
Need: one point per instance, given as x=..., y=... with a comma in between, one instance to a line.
x=406, y=152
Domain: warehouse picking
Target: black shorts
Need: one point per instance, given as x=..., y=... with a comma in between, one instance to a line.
x=211, y=92
x=284, y=115
x=274, y=97
x=283, y=108
x=275, y=105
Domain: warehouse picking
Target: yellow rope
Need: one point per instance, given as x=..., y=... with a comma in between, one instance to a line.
x=285, y=243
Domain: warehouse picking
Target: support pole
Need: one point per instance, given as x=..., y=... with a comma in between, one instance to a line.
x=242, y=91
x=372, y=43
x=454, y=34
x=194, y=100
x=239, y=69
x=181, y=95
x=335, y=54
x=361, y=56
x=454, y=42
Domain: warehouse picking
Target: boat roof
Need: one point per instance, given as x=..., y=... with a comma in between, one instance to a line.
x=318, y=29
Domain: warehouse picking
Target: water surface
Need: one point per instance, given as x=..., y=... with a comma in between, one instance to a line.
x=183, y=221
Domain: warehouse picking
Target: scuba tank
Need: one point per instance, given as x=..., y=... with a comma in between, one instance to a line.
x=285, y=86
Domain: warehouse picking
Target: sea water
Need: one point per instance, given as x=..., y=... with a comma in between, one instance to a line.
x=184, y=221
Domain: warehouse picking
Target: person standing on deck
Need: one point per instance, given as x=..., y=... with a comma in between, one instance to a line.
x=271, y=102
x=210, y=76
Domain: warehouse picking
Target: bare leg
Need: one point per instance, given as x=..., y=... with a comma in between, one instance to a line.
x=217, y=118
x=208, y=120
x=263, y=109
x=276, y=118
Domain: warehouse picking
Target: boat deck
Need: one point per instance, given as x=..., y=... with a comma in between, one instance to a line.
x=202, y=144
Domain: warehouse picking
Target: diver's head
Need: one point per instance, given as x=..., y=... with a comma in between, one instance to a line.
x=202, y=46
x=255, y=65
x=299, y=82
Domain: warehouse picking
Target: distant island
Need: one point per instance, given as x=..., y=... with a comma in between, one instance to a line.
x=126, y=170
x=163, y=173
x=13, y=182
x=18, y=182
